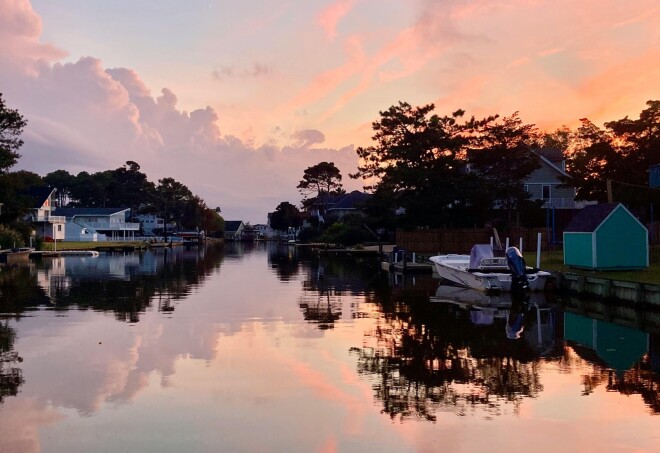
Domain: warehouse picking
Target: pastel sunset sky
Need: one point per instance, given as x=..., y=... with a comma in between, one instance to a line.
x=235, y=99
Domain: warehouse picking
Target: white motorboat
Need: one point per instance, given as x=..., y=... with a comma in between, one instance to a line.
x=484, y=271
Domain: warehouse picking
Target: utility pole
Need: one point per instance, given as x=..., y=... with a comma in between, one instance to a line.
x=609, y=191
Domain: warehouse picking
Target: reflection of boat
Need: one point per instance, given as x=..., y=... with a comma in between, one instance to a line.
x=485, y=271
x=16, y=255
x=525, y=315
x=79, y=253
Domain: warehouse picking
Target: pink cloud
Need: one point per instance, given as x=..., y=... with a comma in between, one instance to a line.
x=332, y=14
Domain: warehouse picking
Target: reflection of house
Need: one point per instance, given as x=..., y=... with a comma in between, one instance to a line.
x=618, y=346
x=97, y=224
x=47, y=226
x=150, y=222
x=234, y=229
x=544, y=182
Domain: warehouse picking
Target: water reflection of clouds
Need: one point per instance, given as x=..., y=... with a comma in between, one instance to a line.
x=238, y=350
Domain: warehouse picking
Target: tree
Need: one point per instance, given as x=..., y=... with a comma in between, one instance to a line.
x=285, y=216
x=171, y=198
x=622, y=152
x=11, y=127
x=502, y=156
x=62, y=181
x=13, y=186
x=415, y=164
x=319, y=182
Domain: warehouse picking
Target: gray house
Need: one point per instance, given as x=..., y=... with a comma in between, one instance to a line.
x=544, y=183
x=98, y=224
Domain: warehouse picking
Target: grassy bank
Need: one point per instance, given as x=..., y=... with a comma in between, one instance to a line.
x=50, y=246
x=553, y=260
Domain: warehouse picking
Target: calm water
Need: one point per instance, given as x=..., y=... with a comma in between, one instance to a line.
x=265, y=349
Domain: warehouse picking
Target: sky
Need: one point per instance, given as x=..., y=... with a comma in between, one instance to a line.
x=236, y=99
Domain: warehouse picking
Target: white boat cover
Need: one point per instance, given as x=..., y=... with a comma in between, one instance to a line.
x=478, y=253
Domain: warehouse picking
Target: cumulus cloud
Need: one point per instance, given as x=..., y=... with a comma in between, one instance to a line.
x=83, y=116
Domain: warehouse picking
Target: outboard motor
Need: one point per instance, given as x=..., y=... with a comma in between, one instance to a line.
x=518, y=268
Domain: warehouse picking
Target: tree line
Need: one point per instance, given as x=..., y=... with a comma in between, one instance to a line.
x=426, y=170
x=123, y=187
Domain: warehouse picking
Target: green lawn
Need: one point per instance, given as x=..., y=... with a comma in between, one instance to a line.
x=553, y=260
x=49, y=246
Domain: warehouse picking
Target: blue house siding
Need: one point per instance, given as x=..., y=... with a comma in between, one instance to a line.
x=620, y=239
x=578, y=250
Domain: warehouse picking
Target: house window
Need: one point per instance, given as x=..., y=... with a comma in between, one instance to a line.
x=59, y=227
x=545, y=192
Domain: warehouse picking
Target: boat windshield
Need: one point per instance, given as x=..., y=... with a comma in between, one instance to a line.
x=478, y=253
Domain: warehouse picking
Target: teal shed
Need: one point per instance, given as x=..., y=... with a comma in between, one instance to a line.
x=607, y=237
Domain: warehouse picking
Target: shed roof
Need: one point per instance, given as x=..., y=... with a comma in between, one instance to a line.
x=590, y=217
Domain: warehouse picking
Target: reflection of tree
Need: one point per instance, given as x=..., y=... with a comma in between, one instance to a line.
x=11, y=377
x=427, y=357
x=321, y=308
x=326, y=280
x=284, y=260
x=640, y=379
x=166, y=275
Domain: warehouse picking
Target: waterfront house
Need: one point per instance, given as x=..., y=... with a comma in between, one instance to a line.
x=545, y=183
x=151, y=224
x=47, y=226
x=606, y=236
x=98, y=224
x=264, y=231
x=234, y=230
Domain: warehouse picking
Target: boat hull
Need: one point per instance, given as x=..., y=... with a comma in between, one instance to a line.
x=454, y=268
x=15, y=256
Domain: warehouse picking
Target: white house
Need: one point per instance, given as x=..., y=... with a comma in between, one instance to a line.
x=47, y=226
x=108, y=223
x=150, y=222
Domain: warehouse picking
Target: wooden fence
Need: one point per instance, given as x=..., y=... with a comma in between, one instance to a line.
x=462, y=240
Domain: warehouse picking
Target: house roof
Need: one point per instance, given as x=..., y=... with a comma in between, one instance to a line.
x=349, y=201
x=101, y=212
x=552, y=154
x=590, y=217
x=232, y=225
x=39, y=195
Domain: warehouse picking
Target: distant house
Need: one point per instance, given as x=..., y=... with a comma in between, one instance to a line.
x=606, y=236
x=47, y=226
x=347, y=204
x=264, y=231
x=98, y=224
x=234, y=230
x=545, y=184
x=149, y=223
x=337, y=206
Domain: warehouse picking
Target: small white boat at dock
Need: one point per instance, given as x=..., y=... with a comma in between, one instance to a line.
x=484, y=271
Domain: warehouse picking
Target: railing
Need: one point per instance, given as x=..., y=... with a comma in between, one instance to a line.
x=565, y=203
x=111, y=226
x=49, y=218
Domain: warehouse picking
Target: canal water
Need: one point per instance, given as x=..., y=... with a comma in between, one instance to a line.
x=266, y=348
